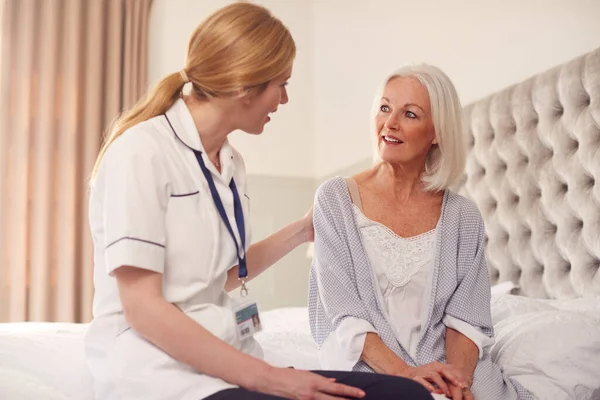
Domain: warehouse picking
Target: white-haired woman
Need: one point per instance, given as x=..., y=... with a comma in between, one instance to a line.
x=399, y=281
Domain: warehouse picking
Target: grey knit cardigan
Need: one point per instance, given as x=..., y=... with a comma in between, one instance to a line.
x=341, y=284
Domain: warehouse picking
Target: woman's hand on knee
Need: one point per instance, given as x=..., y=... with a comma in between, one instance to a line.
x=431, y=379
x=452, y=374
x=458, y=393
x=305, y=385
x=436, y=376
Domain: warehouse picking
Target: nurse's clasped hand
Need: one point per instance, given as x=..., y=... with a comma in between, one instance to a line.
x=303, y=385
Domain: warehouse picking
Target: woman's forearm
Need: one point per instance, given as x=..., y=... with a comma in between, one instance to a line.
x=171, y=330
x=379, y=357
x=268, y=251
x=461, y=351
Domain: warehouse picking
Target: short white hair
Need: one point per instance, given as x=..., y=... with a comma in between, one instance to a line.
x=445, y=162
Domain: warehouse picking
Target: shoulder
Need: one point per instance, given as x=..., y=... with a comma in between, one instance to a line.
x=332, y=196
x=466, y=208
x=139, y=150
x=463, y=215
x=143, y=139
x=332, y=189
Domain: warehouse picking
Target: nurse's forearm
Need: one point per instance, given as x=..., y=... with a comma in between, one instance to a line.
x=172, y=331
x=268, y=251
x=187, y=341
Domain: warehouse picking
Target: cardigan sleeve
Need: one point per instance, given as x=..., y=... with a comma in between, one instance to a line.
x=341, y=343
x=471, y=300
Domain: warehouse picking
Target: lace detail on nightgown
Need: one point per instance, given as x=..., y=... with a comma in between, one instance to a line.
x=400, y=257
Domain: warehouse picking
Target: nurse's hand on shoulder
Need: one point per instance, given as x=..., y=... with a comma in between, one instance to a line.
x=304, y=385
x=309, y=229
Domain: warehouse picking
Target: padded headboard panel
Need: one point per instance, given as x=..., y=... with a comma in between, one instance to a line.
x=534, y=172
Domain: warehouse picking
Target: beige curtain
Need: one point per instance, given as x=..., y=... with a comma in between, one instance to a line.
x=68, y=68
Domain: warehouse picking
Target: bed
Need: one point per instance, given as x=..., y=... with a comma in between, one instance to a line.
x=534, y=171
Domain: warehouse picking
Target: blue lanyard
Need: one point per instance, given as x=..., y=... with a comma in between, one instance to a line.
x=238, y=212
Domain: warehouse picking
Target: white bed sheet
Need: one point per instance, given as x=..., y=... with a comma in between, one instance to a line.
x=286, y=339
x=43, y=361
x=46, y=360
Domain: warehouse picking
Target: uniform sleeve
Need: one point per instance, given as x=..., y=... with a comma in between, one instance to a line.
x=135, y=196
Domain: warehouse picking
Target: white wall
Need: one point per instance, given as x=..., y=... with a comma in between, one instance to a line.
x=344, y=51
x=483, y=45
x=286, y=147
x=274, y=202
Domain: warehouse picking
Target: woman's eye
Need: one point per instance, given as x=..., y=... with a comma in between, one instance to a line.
x=411, y=114
x=384, y=108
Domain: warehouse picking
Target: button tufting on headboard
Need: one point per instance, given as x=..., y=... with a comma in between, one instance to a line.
x=559, y=110
x=532, y=168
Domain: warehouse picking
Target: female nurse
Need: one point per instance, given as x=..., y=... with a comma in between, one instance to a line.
x=168, y=216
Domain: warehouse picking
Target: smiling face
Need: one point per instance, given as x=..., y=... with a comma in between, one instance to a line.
x=404, y=126
x=256, y=107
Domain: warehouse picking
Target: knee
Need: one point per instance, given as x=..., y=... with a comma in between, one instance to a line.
x=417, y=391
x=398, y=388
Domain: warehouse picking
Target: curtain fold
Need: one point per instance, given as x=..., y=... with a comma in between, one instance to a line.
x=68, y=68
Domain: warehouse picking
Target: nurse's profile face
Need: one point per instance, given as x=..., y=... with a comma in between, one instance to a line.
x=258, y=106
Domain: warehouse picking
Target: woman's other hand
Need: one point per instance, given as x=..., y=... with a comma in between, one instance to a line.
x=437, y=374
x=458, y=393
x=303, y=385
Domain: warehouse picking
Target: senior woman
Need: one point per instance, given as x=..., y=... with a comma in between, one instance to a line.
x=399, y=281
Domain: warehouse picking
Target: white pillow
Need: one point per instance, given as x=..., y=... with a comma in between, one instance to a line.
x=590, y=306
x=506, y=305
x=554, y=354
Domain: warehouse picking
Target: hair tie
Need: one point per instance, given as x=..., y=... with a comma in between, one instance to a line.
x=184, y=76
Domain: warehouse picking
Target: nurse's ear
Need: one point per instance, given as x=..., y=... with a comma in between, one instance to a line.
x=245, y=96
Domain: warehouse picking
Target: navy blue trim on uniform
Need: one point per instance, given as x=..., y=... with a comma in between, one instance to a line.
x=139, y=240
x=185, y=194
x=176, y=135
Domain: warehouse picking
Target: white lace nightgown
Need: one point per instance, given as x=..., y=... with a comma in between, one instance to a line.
x=402, y=269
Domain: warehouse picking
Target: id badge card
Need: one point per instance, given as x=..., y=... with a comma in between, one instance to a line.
x=247, y=319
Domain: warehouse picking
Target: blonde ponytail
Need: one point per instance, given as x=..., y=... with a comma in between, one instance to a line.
x=157, y=102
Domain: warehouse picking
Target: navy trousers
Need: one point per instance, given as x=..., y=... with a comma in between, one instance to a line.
x=376, y=387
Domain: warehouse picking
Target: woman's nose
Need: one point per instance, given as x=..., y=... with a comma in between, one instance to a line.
x=392, y=122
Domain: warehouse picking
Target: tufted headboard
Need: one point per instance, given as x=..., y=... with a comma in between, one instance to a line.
x=534, y=171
